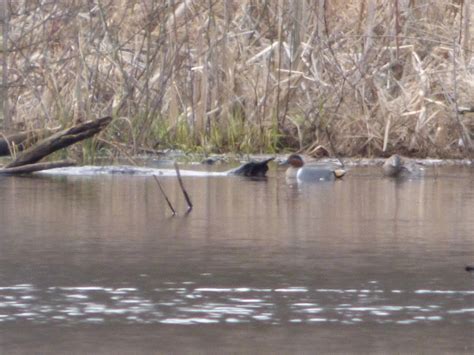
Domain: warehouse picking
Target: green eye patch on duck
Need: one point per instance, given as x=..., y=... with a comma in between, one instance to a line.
x=311, y=172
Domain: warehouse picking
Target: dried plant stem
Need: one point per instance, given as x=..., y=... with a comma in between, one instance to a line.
x=119, y=148
x=397, y=28
x=465, y=138
x=185, y=193
x=467, y=28
x=4, y=18
x=173, y=211
x=252, y=76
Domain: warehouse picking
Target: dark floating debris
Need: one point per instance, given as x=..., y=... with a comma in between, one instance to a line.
x=469, y=268
x=252, y=168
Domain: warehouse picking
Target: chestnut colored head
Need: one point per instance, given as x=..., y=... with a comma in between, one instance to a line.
x=295, y=160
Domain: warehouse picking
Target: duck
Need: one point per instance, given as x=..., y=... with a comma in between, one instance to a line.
x=311, y=172
x=396, y=166
x=252, y=168
x=393, y=166
x=469, y=268
x=211, y=160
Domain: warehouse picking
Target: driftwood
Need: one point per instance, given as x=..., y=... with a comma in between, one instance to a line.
x=58, y=141
x=21, y=141
x=31, y=168
x=27, y=161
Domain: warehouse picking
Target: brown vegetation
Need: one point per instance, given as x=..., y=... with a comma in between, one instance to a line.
x=367, y=78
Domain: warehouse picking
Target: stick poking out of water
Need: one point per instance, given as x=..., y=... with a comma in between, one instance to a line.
x=164, y=194
x=185, y=193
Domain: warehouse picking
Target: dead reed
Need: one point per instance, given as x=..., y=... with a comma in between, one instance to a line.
x=364, y=78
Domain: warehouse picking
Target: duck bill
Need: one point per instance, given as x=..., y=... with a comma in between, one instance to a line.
x=339, y=173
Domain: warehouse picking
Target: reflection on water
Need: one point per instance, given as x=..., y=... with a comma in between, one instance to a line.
x=80, y=251
x=184, y=303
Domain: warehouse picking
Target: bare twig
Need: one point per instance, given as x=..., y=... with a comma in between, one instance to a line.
x=465, y=139
x=397, y=29
x=164, y=195
x=185, y=193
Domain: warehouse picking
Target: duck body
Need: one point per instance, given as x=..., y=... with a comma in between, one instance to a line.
x=309, y=173
x=397, y=167
x=313, y=172
x=393, y=166
x=252, y=169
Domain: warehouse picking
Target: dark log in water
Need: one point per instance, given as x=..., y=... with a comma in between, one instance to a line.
x=22, y=140
x=252, y=168
x=31, y=168
x=60, y=140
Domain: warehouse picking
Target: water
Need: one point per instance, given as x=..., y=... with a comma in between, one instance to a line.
x=367, y=264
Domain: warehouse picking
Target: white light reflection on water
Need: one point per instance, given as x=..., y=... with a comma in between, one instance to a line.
x=188, y=321
x=365, y=251
x=171, y=305
x=443, y=292
x=462, y=310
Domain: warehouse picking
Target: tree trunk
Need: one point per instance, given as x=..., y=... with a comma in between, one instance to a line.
x=31, y=168
x=60, y=140
x=20, y=141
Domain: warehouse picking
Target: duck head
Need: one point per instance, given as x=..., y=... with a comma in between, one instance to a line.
x=294, y=160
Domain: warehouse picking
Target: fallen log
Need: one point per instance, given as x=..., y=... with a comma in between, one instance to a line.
x=22, y=140
x=58, y=141
x=31, y=168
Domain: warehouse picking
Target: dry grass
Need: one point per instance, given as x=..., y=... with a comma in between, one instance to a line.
x=365, y=78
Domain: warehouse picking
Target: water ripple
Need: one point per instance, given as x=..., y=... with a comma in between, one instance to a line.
x=173, y=302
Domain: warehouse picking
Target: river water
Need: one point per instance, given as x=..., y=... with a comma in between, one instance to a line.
x=97, y=264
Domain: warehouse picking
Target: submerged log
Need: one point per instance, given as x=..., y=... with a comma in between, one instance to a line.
x=31, y=168
x=58, y=141
x=22, y=140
